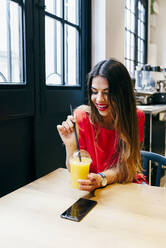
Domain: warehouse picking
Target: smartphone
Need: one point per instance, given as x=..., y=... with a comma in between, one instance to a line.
x=79, y=209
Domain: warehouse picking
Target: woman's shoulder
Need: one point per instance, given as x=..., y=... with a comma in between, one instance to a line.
x=82, y=112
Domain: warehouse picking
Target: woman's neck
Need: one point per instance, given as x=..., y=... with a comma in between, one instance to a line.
x=107, y=123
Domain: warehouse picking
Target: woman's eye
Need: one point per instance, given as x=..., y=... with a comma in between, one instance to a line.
x=94, y=92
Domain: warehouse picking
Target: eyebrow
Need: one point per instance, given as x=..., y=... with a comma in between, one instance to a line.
x=97, y=89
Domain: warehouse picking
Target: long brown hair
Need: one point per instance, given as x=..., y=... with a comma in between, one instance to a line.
x=123, y=113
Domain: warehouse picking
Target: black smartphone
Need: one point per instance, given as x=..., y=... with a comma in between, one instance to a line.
x=79, y=209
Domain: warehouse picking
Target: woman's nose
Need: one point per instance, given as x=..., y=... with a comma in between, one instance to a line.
x=100, y=97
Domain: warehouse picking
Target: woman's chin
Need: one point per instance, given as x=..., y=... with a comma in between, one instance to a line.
x=103, y=113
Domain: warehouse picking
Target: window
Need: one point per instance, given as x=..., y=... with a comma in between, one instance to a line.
x=62, y=30
x=62, y=42
x=135, y=34
x=11, y=43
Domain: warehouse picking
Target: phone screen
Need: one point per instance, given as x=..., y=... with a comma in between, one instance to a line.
x=79, y=209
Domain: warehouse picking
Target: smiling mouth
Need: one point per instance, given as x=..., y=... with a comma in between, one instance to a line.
x=101, y=107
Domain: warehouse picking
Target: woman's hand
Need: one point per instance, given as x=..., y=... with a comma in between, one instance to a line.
x=66, y=130
x=93, y=182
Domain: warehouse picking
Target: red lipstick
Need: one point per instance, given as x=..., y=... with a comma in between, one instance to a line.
x=101, y=107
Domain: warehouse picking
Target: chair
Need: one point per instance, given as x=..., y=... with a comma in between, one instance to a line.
x=154, y=157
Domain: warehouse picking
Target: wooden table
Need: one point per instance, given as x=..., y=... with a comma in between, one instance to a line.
x=126, y=216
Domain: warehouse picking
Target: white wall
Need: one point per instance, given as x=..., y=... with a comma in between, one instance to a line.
x=107, y=30
x=98, y=30
x=115, y=30
x=157, y=51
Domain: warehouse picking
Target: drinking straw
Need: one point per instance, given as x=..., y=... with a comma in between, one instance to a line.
x=75, y=132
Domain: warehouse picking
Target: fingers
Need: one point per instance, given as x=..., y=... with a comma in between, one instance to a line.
x=88, y=185
x=61, y=130
x=92, y=176
x=67, y=126
x=71, y=118
x=84, y=182
x=95, y=178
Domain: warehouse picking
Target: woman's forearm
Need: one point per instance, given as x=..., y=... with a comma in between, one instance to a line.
x=69, y=152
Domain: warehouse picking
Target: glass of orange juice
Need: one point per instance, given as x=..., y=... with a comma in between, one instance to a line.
x=79, y=169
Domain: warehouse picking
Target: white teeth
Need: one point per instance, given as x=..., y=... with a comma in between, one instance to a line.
x=102, y=106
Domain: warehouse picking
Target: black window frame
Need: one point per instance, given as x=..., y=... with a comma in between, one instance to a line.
x=33, y=40
x=84, y=28
x=27, y=48
x=136, y=36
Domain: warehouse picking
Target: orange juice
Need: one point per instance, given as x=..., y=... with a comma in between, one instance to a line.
x=79, y=170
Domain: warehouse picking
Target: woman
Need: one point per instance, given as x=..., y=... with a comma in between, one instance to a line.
x=110, y=128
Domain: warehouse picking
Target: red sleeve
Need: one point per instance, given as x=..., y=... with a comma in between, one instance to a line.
x=140, y=179
x=141, y=123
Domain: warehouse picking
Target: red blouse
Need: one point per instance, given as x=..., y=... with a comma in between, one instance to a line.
x=103, y=149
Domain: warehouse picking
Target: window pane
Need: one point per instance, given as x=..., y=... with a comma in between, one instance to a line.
x=53, y=51
x=132, y=6
x=71, y=55
x=139, y=10
x=128, y=4
x=142, y=58
x=139, y=56
x=142, y=45
x=54, y=7
x=137, y=34
x=132, y=69
x=127, y=19
x=128, y=38
x=132, y=40
x=127, y=44
x=139, y=44
x=132, y=53
x=139, y=28
x=142, y=31
x=143, y=14
x=11, y=53
x=128, y=65
x=71, y=10
x=132, y=22
x=128, y=52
